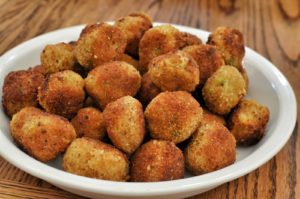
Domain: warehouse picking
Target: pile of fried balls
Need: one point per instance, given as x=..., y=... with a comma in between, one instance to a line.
x=133, y=102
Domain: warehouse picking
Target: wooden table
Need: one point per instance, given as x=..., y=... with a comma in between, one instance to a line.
x=270, y=27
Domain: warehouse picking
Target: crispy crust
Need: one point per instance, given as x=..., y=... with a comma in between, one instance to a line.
x=92, y=158
x=208, y=59
x=248, y=122
x=174, y=71
x=39, y=68
x=173, y=116
x=212, y=147
x=89, y=122
x=157, y=160
x=99, y=43
x=62, y=93
x=89, y=28
x=148, y=90
x=209, y=117
x=41, y=134
x=188, y=39
x=245, y=76
x=109, y=44
x=20, y=90
x=223, y=90
x=143, y=15
x=157, y=41
x=111, y=81
x=58, y=57
x=230, y=43
x=125, y=123
x=134, y=26
x=130, y=60
x=83, y=50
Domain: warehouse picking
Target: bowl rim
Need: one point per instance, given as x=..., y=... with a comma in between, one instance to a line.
x=286, y=123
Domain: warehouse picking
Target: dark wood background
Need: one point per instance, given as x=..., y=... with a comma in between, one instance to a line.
x=271, y=27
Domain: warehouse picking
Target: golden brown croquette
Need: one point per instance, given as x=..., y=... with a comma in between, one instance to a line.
x=174, y=71
x=245, y=76
x=112, y=80
x=248, y=122
x=148, y=90
x=99, y=43
x=157, y=160
x=20, y=90
x=125, y=123
x=173, y=116
x=208, y=59
x=128, y=59
x=89, y=122
x=223, y=90
x=210, y=117
x=157, y=41
x=143, y=15
x=188, y=39
x=83, y=50
x=230, y=43
x=134, y=26
x=62, y=93
x=88, y=29
x=93, y=158
x=39, y=68
x=58, y=57
x=212, y=147
x=41, y=134
x=109, y=44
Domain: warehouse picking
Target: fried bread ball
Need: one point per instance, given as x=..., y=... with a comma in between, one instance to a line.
x=188, y=39
x=39, y=68
x=209, y=60
x=20, y=90
x=109, y=44
x=174, y=71
x=58, y=57
x=157, y=160
x=84, y=46
x=245, y=76
x=111, y=81
x=41, y=134
x=223, y=90
x=212, y=147
x=62, y=93
x=230, y=43
x=134, y=26
x=88, y=29
x=157, y=41
x=248, y=122
x=148, y=90
x=128, y=59
x=210, y=117
x=89, y=122
x=125, y=123
x=99, y=43
x=95, y=159
x=173, y=116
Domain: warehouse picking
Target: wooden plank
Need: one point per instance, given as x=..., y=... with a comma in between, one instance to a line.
x=270, y=27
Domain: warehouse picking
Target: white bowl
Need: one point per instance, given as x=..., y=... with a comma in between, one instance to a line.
x=267, y=85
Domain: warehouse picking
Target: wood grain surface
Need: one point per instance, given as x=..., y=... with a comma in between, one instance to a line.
x=270, y=27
